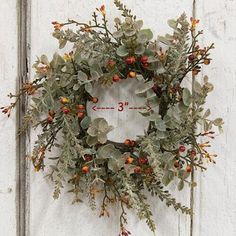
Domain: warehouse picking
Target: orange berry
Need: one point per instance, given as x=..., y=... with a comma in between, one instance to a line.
x=80, y=107
x=81, y=114
x=64, y=100
x=94, y=99
x=189, y=168
x=129, y=160
x=132, y=74
x=195, y=72
x=85, y=169
x=207, y=61
x=127, y=142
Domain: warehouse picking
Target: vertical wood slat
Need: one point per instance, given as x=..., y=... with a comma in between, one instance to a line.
x=193, y=172
x=21, y=150
x=215, y=201
x=8, y=74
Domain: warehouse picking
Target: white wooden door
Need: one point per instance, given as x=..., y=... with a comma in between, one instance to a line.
x=26, y=203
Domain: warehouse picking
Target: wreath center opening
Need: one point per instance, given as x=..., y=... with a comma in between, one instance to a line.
x=121, y=107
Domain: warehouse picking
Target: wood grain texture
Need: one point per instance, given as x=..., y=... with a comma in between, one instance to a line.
x=8, y=78
x=49, y=217
x=215, y=201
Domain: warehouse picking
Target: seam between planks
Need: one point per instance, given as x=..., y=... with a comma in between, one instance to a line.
x=192, y=173
x=21, y=140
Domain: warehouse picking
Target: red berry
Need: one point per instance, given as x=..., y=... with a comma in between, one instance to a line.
x=145, y=65
x=176, y=164
x=193, y=153
x=65, y=110
x=144, y=59
x=189, y=169
x=49, y=119
x=85, y=169
x=191, y=57
x=116, y=78
x=137, y=170
x=88, y=157
x=143, y=160
x=182, y=148
x=130, y=60
x=111, y=63
x=94, y=100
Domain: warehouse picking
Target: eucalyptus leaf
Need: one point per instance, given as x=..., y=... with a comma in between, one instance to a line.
x=85, y=122
x=186, y=97
x=122, y=51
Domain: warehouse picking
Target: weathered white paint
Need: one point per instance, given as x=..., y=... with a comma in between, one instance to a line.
x=8, y=78
x=215, y=201
x=48, y=217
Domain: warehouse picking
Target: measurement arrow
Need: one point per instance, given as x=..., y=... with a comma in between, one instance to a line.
x=148, y=108
x=95, y=108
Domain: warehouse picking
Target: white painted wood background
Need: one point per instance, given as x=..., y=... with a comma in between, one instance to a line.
x=214, y=198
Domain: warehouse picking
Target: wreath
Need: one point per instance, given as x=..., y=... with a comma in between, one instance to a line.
x=173, y=145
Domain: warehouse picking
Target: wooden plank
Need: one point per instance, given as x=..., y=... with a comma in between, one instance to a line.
x=49, y=217
x=8, y=78
x=21, y=161
x=215, y=201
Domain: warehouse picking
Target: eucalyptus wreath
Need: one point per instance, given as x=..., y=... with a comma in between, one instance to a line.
x=171, y=148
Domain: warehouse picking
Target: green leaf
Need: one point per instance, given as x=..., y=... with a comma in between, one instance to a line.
x=218, y=122
x=144, y=35
x=186, y=97
x=62, y=43
x=181, y=185
x=122, y=51
x=116, y=164
x=138, y=24
x=118, y=34
x=197, y=87
x=108, y=151
x=167, y=177
x=85, y=122
x=207, y=113
x=91, y=140
x=144, y=87
x=77, y=58
x=129, y=32
x=163, y=40
x=172, y=23
x=76, y=87
x=139, y=50
x=88, y=88
x=82, y=76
